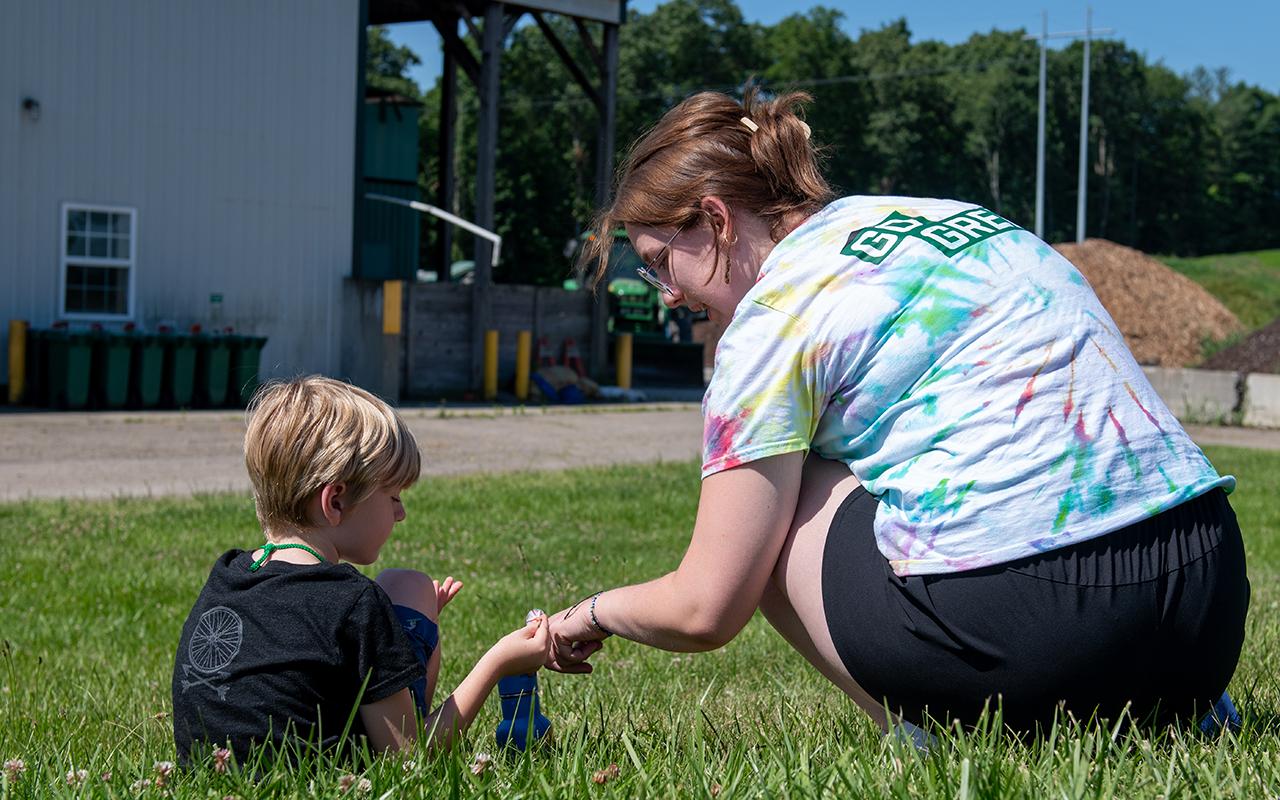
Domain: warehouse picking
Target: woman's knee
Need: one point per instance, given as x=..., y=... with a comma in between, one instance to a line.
x=411, y=588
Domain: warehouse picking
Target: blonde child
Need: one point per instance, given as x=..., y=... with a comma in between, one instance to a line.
x=286, y=640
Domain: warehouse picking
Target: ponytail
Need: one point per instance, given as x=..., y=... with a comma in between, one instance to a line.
x=755, y=155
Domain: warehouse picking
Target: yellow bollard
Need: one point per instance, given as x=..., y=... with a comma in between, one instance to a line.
x=524, y=351
x=17, y=360
x=392, y=297
x=490, y=365
x=622, y=360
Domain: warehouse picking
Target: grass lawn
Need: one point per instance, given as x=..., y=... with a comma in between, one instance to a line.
x=92, y=596
x=1246, y=283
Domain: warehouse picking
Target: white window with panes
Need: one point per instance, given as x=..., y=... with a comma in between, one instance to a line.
x=99, y=246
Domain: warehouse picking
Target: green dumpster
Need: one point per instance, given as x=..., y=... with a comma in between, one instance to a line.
x=179, y=380
x=146, y=378
x=70, y=360
x=109, y=376
x=213, y=368
x=246, y=357
x=36, y=392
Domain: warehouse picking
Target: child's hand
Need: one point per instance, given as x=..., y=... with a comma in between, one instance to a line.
x=524, y=650
x=446, y=591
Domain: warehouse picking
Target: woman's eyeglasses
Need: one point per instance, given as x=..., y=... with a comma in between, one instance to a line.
x=650, y=276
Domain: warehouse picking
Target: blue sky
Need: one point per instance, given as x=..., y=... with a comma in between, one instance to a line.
x=1240, y=35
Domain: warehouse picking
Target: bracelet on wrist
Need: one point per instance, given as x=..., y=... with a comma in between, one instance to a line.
x=592, y=611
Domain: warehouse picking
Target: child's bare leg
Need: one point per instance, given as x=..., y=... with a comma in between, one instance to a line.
x=414, y=589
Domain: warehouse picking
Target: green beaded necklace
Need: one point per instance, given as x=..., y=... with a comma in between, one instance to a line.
x=269, y=548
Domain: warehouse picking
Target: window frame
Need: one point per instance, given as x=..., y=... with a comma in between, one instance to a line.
x=66, y=260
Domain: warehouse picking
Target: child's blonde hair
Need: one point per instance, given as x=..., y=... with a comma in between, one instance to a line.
x=309, y=432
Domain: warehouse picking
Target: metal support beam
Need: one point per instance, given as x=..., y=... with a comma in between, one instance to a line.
x=604, y=185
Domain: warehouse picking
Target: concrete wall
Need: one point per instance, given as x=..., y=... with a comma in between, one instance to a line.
x=1262, y=401
x=228, y=126
x=1205, y=396
x=1195, y=395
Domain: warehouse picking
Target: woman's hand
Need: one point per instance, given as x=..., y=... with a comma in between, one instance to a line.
x=573, y=639
x=446, y=591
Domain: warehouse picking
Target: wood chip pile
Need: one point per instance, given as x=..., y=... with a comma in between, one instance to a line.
x=1165, y=317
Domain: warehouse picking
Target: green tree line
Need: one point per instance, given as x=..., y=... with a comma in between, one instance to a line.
x=1178, y=164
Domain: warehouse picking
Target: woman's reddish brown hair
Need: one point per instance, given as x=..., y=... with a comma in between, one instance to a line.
x=702, y=148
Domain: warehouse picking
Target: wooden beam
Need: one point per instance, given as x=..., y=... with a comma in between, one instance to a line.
x=489, y=86
x=458, y=48
x=568, y=60
x=604, y=186
x=589, y=43
x=445, y=156
x=509, y=24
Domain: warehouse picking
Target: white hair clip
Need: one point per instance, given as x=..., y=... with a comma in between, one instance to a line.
x=750, y=124
x=805, y=125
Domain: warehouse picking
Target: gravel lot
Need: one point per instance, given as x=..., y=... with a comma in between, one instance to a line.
x=83, y=455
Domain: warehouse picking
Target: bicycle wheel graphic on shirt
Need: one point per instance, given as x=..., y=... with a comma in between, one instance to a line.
x=216, y=639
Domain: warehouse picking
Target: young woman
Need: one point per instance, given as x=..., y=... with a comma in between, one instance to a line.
x=929, y=458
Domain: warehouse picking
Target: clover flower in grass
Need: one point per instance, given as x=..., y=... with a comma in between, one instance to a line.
x=13, y=768
x=348, y=782
x=482, y=763
x=607, y=774
x=164, y=769
x=221, y=756
x=140, y=786
x=77, y=777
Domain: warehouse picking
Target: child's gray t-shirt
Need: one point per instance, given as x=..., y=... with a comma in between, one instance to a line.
x=279, y=657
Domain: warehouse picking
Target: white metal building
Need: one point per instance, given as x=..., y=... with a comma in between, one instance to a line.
x=185, y=162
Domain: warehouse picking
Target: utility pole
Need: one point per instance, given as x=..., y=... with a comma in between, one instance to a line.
x=1088, y=33
x=1044, y=37
x=1081, y=184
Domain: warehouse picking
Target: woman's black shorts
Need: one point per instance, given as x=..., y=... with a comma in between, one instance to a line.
x=1150, y=615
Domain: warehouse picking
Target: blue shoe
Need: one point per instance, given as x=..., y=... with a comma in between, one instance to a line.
x=907, y=733
x=1223, y=715
x=522, y=719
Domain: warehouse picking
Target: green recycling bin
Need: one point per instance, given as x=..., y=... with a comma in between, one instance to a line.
x=146, y=377
x=213, y=368
x=246, y=358
x=179, y=380
x=36, y=392
x=70, y=361
x=109, y=376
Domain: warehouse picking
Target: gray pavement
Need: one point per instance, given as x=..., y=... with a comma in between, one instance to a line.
x=88, y=455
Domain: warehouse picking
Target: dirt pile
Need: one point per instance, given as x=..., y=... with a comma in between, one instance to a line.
x=1165, y=317
x=1258, y=352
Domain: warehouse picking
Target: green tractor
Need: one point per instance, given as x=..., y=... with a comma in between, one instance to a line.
x=634, y=306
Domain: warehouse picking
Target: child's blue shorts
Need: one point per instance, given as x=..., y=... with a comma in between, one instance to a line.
x=424, y=635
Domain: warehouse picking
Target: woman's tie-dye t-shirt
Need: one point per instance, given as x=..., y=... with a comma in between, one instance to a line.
x=966, y=373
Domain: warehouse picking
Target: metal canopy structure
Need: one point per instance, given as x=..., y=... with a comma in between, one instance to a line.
x=496, y=20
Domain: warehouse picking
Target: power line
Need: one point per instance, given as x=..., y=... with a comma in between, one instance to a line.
x=688, y=89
